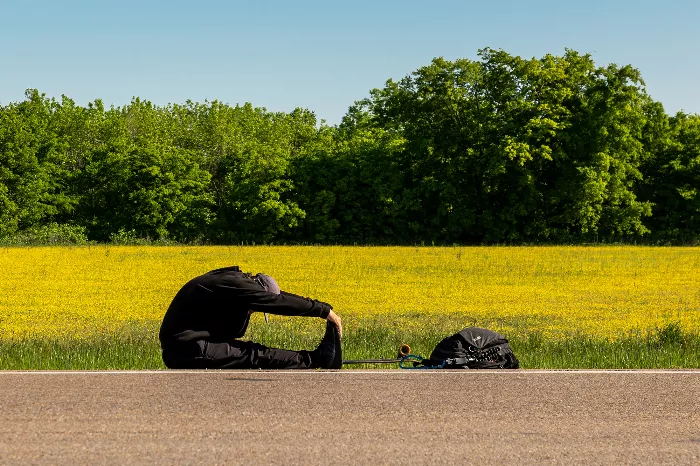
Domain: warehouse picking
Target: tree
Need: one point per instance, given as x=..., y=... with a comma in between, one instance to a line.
x=27, y=150
x=347, y=184
x=138, y=180
x=672, y=181
x=247, y=151
x=507, y=149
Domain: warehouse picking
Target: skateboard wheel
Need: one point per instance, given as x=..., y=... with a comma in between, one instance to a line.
x=404, y=350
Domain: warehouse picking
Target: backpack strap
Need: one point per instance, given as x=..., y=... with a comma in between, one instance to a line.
x=449, y=362
x=478, y=358
x=418, y=362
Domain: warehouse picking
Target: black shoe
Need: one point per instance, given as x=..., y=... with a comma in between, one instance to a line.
x=328, y=354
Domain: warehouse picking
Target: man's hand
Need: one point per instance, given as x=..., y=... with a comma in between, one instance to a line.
x=335, y=318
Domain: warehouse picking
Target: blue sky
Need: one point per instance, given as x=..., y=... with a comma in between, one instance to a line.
x=322, y=55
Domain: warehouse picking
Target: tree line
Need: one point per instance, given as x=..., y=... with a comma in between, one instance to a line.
x=495, y=150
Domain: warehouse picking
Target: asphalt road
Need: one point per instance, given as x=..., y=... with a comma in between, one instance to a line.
x=350, y=417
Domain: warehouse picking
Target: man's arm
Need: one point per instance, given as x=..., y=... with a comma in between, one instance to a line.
x=247, y=294
x=288, y=304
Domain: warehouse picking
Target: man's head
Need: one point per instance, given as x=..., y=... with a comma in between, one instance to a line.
x=268, y=283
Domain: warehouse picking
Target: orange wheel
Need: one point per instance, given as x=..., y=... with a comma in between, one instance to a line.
x=404, y=350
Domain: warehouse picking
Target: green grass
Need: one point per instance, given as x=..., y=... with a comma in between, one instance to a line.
x=137, y=347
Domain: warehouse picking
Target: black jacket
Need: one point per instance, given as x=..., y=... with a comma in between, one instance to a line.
x=214, y=307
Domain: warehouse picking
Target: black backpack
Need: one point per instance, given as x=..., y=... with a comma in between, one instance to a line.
x=473, y=348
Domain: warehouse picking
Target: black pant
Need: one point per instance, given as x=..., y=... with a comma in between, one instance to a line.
x=234, y=354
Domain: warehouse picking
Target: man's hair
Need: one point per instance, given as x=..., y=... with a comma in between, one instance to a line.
x=269, y=283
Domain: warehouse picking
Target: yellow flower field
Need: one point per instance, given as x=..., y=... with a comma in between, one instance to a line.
x=555, y=291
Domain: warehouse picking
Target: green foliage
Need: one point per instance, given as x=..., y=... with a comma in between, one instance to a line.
x=668, y=347
x=132, y=238
x=24, y=151
x=500, y=149
x=51, y=234
x=669, y=335
x=156, y=190
x=349, y=188
x=247, y=152
x=672, y=180
x=507, y=149
x=136, y=346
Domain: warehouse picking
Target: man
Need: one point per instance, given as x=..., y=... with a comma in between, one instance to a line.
x=205, y=320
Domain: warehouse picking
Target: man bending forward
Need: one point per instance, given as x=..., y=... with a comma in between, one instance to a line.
x=205, y=320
